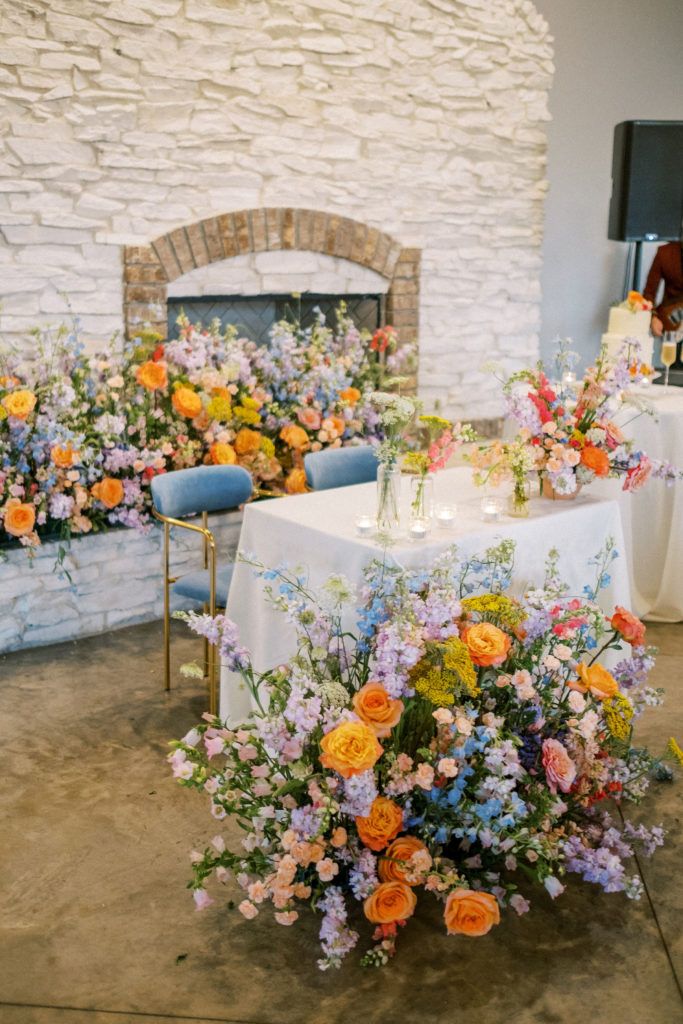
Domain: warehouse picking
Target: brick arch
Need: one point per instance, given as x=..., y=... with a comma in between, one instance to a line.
x=148, y=269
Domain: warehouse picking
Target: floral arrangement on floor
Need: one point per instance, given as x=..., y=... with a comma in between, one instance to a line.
x=81, y=436
x=571, y=427
x=463, y=743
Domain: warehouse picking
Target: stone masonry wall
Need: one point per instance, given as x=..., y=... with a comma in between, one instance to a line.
x=422, y=119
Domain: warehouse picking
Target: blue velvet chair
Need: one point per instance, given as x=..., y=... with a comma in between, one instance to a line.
x=340, y=467
x=192, y=492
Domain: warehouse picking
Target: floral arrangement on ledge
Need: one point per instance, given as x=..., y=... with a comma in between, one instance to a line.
x=81, y=436
x=463, y=743
x=571, y=426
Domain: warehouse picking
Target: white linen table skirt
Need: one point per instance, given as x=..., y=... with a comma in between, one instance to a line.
x=316, y=532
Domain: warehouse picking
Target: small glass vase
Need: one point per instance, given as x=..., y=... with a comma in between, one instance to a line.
x=422, y=496
x=518, y=500
x=388, y=497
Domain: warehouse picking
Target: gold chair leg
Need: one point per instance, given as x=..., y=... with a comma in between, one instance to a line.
x=205, y=609
x=167, y=611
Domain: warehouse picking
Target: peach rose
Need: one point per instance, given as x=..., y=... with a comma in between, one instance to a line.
x=376, y=708
x=247, y=441
x=63, y=456
x=595, y=678
x=630, y=627
x=350, y=395
x=595, y=459
x=560, y=770
x=294, y=436
x=390, y=902
x=471, y=913
x=334, y=426
x=19, y=518
x=383, y=824
x=309, y=417
x=222, y=454
x=486, y=644
x=19, y=403
x=109, y=491
x=395, y=862
x=152, y=375
x=186, y=402
x=295, y=482
x=350, y=748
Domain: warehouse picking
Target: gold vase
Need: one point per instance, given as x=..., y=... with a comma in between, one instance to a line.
x=548, y=491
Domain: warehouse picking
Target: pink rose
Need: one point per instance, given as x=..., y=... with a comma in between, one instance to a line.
x=309, y=418
x=560, y=770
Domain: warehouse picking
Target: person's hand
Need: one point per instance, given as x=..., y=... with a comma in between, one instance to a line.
x=656, y=326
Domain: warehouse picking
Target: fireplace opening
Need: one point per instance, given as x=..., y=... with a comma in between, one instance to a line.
x=254, y=315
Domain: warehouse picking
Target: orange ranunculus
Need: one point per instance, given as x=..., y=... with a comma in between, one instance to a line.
x=221, y=392
x=595, y=678
x=247, y=441
x=152, y=375
x=394, y=864
x=630, y=627
x=222, y=454
x=390, y=902
x=295, y=436
x=350, y=748
x=595, y=459
x=376, y=708
x=350, y=395
x=19, y=518
x=295, y=482
x=471, y=913
x=187, y=402
x=19, y=403
x=63, y=456
x=486, y=644
x=383, y=824
x=109, y=491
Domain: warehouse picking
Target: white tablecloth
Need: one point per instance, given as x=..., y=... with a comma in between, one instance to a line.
x=316, y=531
x=653, y=517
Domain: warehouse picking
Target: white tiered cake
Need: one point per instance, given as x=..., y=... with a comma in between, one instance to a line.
x=627, y=322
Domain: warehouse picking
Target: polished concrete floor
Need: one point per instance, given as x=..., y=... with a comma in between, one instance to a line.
x=97, y=927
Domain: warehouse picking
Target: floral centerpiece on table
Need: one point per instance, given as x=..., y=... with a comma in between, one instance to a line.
x=572, y=429
x=395, y=413
x=463, y=743
x=441, y=439
x=506, y=460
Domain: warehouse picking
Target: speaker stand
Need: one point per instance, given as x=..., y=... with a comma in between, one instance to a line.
x=634, y=267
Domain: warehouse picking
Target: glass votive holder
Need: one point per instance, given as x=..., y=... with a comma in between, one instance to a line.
x=491, y=508
x=569, y=378
x=418, y=528
x=445, y=515
x=365, y=524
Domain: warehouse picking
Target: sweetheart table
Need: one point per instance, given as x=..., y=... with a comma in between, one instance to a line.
x=316, y=532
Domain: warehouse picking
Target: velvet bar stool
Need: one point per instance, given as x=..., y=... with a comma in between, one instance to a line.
x=340, y=467
x=192, y=492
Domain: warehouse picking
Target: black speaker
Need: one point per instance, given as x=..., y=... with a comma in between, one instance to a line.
x=647, y=181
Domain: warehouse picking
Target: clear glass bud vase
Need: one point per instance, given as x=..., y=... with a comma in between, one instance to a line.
x=518, y=500
x=422, y=496
x=388, y=496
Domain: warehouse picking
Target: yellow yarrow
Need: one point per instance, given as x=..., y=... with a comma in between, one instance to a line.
x=267, y=447
x=674, y=750
x=495, y=608
x=246, y=414
x=444, y=671
x=432, y=685
x=618, y=712
x=457, y=659
x=220, y=409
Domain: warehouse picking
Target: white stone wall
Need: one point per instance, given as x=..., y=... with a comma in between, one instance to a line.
x=422, y=118
x=116, y=580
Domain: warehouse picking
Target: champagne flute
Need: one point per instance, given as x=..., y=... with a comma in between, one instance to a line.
x=668, y=356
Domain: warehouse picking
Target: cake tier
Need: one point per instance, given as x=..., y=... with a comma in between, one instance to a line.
x=614, y=344
x=630, y=325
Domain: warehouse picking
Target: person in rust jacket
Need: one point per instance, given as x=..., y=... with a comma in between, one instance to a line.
x=667, y=266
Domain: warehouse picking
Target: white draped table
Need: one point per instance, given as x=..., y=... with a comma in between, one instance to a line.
x=316, y=532
x=653, y=516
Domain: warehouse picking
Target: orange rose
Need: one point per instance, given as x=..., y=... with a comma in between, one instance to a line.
x=595, y=678
x=350, y=395
x=222, y=454
x=63, y=457
x=383, y=824
x=471, y=913
x=390, y=902
x=376, y=708
x=19, y=518
x=595, y=459
x=394, y=864
x=186, y=402
x=247, y=441
x=334, y=425
x=350, y=748
x=109, y=491
x=152, y=375
x=221, y=393
x=19, y=403
x=294, y=436
x=486, y=644
x=295, y=482
x=630, y=627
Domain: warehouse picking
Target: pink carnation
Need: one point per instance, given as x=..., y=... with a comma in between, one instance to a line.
x=560, y=770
